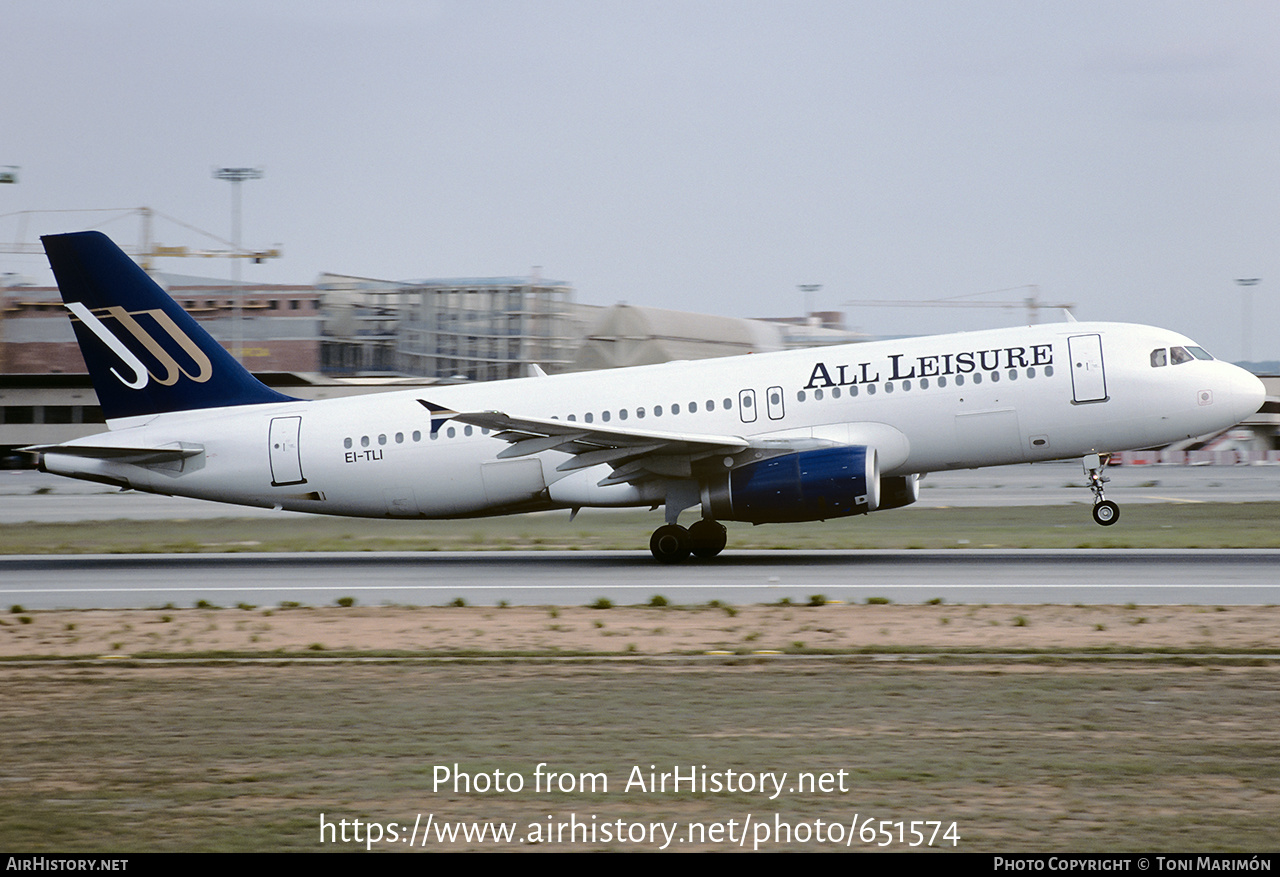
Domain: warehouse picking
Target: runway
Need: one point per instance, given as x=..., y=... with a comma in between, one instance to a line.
x=566, y=578
x=33, y=496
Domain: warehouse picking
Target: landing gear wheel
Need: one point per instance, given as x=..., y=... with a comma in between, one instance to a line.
x=670, y=543
x=707, y=538
x=1106, y=513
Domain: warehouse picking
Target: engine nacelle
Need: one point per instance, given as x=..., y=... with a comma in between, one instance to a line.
x=898, y=491
x=804, y=486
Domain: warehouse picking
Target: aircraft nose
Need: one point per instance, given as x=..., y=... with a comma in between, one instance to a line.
x=1247, y=393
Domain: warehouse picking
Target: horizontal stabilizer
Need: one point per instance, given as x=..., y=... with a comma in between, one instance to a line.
x=120, y=453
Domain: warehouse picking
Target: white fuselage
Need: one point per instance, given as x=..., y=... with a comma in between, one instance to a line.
x=925, y=404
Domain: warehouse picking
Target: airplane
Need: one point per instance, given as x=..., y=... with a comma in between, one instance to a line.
x=791, y=436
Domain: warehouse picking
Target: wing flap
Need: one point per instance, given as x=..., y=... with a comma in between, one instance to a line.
x=526, y=444
x=587, y=459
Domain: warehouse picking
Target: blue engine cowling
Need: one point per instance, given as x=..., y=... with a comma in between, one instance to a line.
x=804, y=486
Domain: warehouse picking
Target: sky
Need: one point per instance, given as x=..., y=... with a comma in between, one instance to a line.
x=707, y=155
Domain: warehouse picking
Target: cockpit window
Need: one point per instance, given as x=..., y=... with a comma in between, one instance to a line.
x=1177, y=355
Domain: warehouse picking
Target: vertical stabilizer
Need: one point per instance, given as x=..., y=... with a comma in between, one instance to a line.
x=145, y=354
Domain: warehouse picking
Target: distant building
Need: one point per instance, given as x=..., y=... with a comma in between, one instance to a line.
x=279, y=330
x=476, y=329
x=624, y=335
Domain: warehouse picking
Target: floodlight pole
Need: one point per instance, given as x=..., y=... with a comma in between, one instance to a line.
x=1246, y=349
x=808, y=289
x=235, y=176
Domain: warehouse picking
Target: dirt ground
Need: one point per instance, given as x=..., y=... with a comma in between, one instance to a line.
x=637, y=630
x=1060, y=753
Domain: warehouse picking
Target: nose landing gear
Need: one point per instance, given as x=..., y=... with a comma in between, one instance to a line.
x=1105, y=512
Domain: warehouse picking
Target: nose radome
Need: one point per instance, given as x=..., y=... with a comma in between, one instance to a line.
x=1247, y=393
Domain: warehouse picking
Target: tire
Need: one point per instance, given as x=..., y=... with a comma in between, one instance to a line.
x=670, y=543
x=707, y=538
x=1106, y=513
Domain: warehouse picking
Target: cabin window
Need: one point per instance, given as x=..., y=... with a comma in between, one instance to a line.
x=451, y=432
x=346, y=443
x=466, y=430
x=728, y=404
x=977, y=377
x=589, y=417
x=995, y=376
x=382, y=439
x=657, y=410
x=888, y=387
x=800, y=396
x=853, y=391
x=675, y=409
x=604, y=415
x=942, y=382
x=640, y=413
x=871, y=389
x=399, y=438
x=364, y=441
x=417, y=435
x=622, y=415
x=835, y=392
x=1013, y=374
x=693, y=407
x=1048, y=371
x=711, y=404
x=924, y=383
x=906, y=385
x=1031, y=373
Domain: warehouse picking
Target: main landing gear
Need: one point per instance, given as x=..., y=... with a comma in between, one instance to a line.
x=1105, y=512
x=672, y=543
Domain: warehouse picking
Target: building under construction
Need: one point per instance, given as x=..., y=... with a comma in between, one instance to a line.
x=478, y=329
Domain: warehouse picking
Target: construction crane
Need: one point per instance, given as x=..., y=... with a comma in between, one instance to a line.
x=147, y=250
x=1031, y=302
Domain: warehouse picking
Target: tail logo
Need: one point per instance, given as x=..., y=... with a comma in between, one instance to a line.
x=170, y=370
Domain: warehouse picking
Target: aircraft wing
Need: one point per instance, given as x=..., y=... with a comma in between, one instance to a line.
x=634, y=454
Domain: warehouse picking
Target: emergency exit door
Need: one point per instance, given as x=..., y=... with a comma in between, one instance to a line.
x=1088, y=379
x=286, y=458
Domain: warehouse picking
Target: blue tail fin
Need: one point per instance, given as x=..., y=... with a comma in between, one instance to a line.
x=145, y=354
